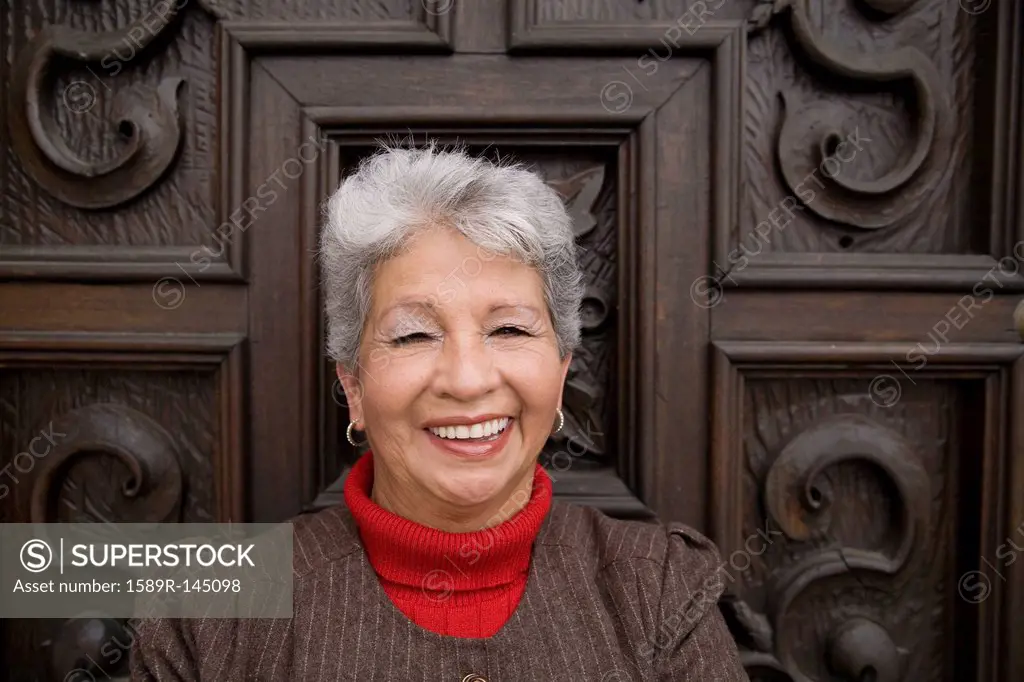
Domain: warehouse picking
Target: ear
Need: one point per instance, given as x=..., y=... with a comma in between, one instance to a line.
x=566, y=361
x=353, y=388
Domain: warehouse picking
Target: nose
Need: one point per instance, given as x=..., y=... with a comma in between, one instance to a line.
x=467, y=370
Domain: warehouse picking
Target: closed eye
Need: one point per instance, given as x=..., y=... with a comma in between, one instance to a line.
x=411, y=338
x=509, y=330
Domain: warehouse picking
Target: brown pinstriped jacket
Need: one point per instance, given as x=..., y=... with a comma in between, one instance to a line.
x=606, y=601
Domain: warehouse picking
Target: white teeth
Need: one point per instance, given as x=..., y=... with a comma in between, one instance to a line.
x=485, y=429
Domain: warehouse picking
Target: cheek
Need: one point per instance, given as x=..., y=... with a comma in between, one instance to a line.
x=537, y=378
x=394, y=381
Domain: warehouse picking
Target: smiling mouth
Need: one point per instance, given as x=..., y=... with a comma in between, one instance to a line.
x=481, y=432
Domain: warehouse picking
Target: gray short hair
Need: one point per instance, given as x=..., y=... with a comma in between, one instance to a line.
x=502, y=208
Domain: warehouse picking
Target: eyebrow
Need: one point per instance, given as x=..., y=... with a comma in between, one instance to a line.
x=409, y=304
x=431, y=307
x=514, y=308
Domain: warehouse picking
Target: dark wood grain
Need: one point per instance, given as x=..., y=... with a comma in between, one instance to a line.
x=279, y=469
x=673, y=370
x=865, y=316
x=197, y=308
x=476, y=87
x=478, y=27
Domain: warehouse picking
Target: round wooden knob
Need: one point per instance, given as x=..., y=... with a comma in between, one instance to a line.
x=861, y=649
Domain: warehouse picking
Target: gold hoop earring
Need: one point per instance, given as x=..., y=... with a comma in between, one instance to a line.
x=348, y=434
x=561, y=420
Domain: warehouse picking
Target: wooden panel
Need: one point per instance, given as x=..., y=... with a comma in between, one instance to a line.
x=141, y=141
x=1000, y=130
x=825, y=316
x=88, y=490
x=890, y=139
x=869, y=496
x=175, y=305
x=169, y=410
x=908, y=109
x=278, y=412
x=483, y=89
x=154, y=380
x=625, y=11
x=475, y=28
x=661, y=29
x=323, y=24
x=877, y=462
x=529, y=96
x=671, y=426
x=356, y=11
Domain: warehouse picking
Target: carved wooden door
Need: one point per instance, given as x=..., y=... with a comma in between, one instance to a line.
x=799, y=222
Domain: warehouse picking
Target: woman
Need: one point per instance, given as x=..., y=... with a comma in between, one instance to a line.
x=452, y=298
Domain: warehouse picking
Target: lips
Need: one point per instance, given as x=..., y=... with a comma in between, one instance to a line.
x=489, y=428
x=466, y=446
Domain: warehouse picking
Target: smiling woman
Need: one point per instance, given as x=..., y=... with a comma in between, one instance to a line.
x=445, y=371
x=449, y=553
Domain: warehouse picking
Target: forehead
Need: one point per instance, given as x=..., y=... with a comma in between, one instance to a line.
x=440, y=268
x=412, y=305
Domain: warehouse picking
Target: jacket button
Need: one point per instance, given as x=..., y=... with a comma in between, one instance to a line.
x=473, y=677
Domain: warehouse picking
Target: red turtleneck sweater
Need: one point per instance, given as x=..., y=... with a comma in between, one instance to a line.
x=455, y=584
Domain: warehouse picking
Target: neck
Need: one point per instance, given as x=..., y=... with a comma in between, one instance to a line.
x=447, y=517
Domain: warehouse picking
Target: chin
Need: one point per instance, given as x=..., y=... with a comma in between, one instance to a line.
x=471, y=488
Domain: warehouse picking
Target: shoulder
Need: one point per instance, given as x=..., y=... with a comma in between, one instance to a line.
x=661, y=582
x=321, y=538
x=173, y=648
x=603, y=541
x=670, y=569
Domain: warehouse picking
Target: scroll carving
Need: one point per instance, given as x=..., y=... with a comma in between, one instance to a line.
x=141, y=444
x=812, y=132
x=798, y=498
x=155, y=479
x=149, y=122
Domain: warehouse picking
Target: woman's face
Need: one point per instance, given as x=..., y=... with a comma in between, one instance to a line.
x=459, y=377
